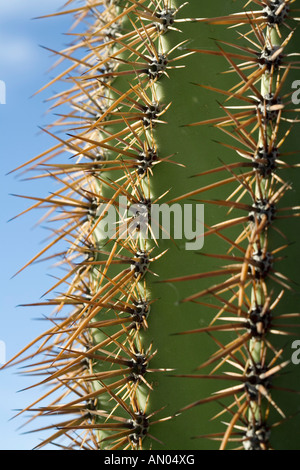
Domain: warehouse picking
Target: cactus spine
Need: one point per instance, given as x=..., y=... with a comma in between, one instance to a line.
x=123, y=331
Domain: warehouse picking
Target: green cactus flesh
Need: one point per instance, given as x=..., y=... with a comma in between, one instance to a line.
x=166, y=333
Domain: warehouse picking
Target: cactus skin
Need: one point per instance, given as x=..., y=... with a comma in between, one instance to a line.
x=255, y=285
x=98, y=359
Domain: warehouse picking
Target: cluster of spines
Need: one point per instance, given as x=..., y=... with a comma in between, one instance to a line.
x=110, y=133
x=92, y=355
x=246, y=300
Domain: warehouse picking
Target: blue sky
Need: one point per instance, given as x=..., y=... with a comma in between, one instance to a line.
x=23, y=68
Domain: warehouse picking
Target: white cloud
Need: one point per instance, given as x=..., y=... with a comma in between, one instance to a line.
x=16, y=51
x=18, y=41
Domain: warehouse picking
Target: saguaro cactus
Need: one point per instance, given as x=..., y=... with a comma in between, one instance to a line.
x=143, y=305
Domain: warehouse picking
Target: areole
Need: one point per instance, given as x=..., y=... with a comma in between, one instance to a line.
x=143, y=306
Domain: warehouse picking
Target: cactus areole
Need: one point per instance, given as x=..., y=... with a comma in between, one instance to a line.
x=175, y=219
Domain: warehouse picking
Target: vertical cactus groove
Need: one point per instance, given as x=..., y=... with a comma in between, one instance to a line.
x=134, y=317
x=254, y=116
